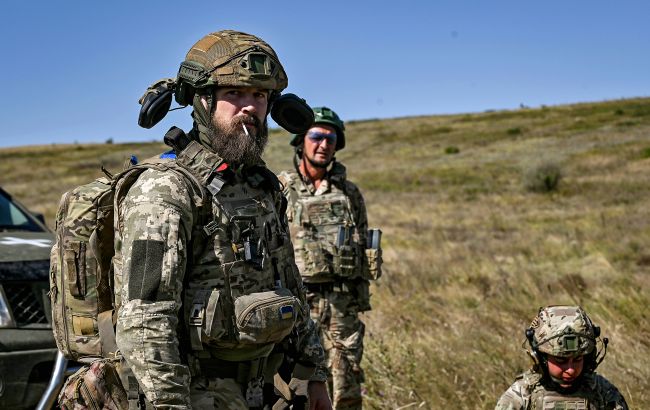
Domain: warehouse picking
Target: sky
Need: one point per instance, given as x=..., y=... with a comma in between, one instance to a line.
x=73, y=71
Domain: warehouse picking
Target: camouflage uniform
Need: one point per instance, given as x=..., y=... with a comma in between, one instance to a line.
x=563, y=332
x=529, y=392
x=204, y=267
x=314, y=218
x=167, y=261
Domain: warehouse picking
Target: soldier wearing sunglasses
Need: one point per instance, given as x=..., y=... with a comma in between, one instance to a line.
x=335, y=252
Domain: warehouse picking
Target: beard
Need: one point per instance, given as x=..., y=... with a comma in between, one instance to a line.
x=320, y=164
x=233, y=145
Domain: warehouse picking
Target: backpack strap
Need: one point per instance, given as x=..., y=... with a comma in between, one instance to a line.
x=106, y=327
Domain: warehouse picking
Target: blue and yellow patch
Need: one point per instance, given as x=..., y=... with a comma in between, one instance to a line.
x=286, y=312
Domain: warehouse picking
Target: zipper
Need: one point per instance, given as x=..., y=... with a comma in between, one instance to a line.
x=62, y=275
x=88, y=396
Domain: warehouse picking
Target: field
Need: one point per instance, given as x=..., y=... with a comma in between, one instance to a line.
x=470, y=250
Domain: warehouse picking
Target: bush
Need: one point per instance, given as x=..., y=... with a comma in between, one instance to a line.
x=543, y=177
x=452, y=150
x=645, y=152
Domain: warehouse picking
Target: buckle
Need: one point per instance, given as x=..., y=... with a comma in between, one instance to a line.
x=197, y=315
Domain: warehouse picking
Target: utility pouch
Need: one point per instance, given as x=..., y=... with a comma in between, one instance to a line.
x=373, y=272
x=207, y=320
x=373, y=255
x=266, y=317
x=94, y=386
x=315, y=257
x=346, y=257
x=345, y=261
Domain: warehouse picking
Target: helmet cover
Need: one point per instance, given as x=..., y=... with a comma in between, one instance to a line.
x=230, y=58
x=563, y=331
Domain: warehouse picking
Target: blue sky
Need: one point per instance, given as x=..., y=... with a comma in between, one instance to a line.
x=74, y=70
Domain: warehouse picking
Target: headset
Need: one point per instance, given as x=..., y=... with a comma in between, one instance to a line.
x=288, y=110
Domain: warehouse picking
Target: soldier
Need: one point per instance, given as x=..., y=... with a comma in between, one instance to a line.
x=562, y=342
x=328, y=222
x=208, y=280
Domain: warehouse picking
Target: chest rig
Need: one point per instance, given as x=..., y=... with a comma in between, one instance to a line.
x=544, y=399
x=555, y=401
x=242, y=290
x=326, y=238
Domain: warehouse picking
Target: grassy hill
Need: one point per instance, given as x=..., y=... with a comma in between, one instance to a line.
x=470, y=252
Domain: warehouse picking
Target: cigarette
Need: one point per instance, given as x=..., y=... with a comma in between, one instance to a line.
x=245, y=130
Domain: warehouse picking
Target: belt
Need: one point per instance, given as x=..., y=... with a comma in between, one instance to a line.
x=326, y=287
x=242, y=372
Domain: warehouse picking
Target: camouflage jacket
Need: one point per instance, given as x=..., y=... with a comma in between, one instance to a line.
x=594, y=393
x=177, y=246
x=314, y=217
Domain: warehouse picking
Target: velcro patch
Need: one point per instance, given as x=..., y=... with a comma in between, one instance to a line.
x=146, y=269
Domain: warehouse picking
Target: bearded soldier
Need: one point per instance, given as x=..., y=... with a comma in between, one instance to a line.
x=562, y=343
x=208, y=280
x=334, y=251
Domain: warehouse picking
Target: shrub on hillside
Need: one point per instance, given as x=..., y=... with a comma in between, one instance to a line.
x=543, y=176
x=645, y=152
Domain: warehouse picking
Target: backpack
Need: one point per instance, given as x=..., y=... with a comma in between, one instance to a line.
x=81, y=264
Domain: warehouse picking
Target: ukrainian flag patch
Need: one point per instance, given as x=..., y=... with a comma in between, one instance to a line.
x=286, y=312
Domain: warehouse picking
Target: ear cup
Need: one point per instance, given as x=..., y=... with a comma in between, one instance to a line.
x=154, y=108
x=292, y=113
x=184, y=94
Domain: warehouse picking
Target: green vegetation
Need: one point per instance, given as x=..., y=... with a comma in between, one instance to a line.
x=470, y=253
x=543, y=177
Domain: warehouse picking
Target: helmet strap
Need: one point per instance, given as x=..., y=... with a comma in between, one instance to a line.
x=202, y=115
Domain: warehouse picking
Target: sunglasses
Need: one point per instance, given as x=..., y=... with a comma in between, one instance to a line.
x=317, y=137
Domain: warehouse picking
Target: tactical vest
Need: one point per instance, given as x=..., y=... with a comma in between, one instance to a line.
x=243, y=292
x=323, y=229
x=543, y=399
x=550, y=400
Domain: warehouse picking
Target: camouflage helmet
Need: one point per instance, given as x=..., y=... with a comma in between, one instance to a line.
x=563, y=331
x=324, y=115
x=229, y=58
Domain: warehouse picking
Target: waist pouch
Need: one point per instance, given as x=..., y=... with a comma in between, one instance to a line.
x=266, y=317
x=257, y=318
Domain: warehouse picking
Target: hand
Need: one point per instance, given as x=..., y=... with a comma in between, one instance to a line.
x=318, y=397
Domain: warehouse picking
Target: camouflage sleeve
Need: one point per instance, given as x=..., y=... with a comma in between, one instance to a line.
x=514, y=398
x=157, y=219
x=612, y=398
x=359, y=210
x=310, y=350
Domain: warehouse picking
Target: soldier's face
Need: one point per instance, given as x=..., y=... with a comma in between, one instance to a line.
x=320, y=145
x=239, y=131
x=245, y=103
x=565, y=369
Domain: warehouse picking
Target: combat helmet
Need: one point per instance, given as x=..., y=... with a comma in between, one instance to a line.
x=232, y=59
x=564, y=331
x=325, y=115
x=226, y=58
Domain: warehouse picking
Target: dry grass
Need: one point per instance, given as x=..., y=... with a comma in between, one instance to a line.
x=469, y=253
